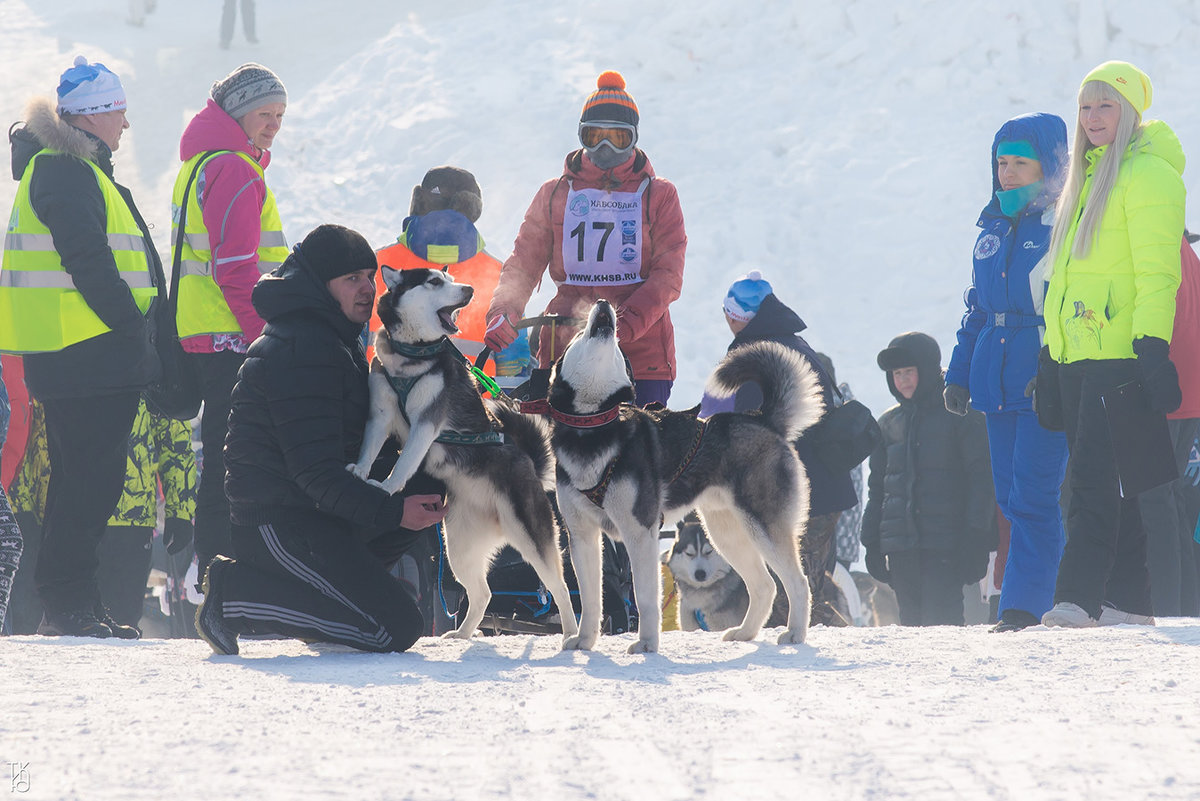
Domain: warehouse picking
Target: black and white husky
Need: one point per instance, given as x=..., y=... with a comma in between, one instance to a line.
x=495, y=462
x=626, y=469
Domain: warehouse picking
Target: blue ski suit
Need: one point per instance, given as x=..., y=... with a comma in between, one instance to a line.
x=996, y=356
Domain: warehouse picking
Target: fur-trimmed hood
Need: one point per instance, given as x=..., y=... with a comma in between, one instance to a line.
x=45, y=129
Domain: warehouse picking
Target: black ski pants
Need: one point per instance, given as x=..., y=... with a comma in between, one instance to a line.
x=927, y=586
x=218, y=373
x=124, y=571
x=306, y=576
x=88, y=442
x=1105, y=556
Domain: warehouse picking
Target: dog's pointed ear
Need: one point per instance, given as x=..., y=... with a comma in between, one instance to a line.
x=391, y=276
x=446, y=268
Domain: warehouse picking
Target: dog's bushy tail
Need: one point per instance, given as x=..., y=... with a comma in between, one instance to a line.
x=530, y=434
x=790, y=388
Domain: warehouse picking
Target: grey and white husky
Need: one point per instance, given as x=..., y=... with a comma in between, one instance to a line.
x=712, y=596
x=496, y=463
x=626, y=469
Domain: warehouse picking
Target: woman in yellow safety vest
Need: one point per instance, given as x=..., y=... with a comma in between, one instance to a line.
x=232, y=234
x=78, y=279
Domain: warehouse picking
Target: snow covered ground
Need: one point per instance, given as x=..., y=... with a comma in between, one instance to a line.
x=840, y=147
x=938, y=713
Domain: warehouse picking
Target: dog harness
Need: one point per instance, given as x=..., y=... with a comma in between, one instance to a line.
x=402, y=386
x=596, y=494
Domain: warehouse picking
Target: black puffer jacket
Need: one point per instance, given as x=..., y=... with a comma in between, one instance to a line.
x=931, y=483
x=66, y=198
x=776, y=322
x=298, y=412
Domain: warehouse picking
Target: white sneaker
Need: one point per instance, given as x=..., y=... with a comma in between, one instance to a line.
x=1069, y=616
x=1112, y=616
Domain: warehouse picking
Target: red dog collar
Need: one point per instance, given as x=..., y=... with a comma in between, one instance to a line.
x=596, y=420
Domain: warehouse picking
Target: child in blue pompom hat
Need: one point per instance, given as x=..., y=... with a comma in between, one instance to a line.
x=744, y=298
x=755, y=314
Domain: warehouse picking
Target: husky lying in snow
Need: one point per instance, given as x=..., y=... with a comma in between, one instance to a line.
x=712, y=596
x=495, y=462
x=623, y=468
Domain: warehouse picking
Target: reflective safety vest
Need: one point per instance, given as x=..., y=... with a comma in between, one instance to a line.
x=40, y=308
x=201, y=304
x=481, y=271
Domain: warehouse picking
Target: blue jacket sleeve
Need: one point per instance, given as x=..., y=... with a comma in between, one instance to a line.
x=959, y=371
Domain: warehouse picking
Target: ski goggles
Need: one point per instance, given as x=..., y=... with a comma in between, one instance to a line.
x=618, y=135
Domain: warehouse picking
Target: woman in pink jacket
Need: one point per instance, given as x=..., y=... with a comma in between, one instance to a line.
x=606, y=228
x=238, y=237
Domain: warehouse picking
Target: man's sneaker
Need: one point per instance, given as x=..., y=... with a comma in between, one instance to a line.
x=76, y=623
x=1069, y=616
x=1014, y=620
x=210, y=622
x=1112, y=616
x=119, y=630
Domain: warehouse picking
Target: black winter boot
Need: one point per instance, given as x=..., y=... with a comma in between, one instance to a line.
x=76, y=623
x=119, y=630
x=210, y=622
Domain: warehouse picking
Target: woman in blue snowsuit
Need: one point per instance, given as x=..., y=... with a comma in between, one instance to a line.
x=997, y=352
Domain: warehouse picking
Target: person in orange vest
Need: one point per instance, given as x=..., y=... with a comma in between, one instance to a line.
x=440, y=233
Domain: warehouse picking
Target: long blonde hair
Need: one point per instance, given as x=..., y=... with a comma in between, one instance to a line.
x=1105, y=175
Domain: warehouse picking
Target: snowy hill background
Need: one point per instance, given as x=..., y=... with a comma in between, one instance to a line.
x=843, y=149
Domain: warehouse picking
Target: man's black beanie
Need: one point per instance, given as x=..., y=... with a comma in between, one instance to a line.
x=330, y=251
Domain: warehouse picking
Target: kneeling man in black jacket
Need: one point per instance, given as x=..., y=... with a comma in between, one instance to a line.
x=306, y=530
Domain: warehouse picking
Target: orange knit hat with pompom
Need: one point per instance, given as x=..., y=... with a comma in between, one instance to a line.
x=610, y=102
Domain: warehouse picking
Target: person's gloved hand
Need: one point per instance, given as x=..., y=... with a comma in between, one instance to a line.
x=422, y=511
x=1045, y=391
x=500, y=333
x=1159, y=376
x=956, y=399
x=177, y=534
x=877, y=566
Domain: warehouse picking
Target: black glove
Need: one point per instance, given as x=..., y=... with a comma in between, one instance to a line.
x=877, y=566
x=956, y=398
x=177, y=534
x=1046, y=392
x=1159, y=377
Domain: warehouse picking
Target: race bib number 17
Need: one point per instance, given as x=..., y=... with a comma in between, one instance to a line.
x=602, y=237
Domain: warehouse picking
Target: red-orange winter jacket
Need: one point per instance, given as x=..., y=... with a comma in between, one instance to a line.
x=644, y=323
x=1185, y=339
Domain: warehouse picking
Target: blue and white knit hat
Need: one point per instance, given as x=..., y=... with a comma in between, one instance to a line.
x=89, y=89
x=746, y=295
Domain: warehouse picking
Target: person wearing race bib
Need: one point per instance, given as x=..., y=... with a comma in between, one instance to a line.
x=606, y=228
x=232, y=235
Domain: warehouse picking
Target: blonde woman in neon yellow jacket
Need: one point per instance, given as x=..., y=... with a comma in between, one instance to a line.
x=1109, y=311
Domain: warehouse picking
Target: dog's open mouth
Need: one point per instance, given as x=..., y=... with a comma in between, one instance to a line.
x=449, y=316
x=602, y=320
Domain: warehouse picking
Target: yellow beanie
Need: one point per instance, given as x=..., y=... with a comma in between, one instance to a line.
x=1132, y=83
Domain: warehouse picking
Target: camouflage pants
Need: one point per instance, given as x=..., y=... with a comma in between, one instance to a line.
x=816, y=554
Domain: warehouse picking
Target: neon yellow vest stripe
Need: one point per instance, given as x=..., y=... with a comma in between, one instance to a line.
x=40, y=308
x=201, y=304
